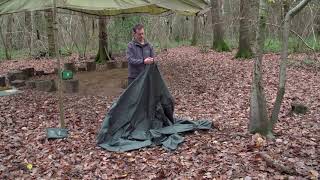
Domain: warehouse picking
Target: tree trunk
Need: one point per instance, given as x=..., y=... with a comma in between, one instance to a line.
x=50, y=33
x=4, y=44
x=9, y=36
x=28, y=30
x=37, y=22
x=195, y=35
x=259, y=122
x=317, y=21
x=86, y=34
x=254, y=10
x=103, y=55
x=244, y=50
x=217, y=25
x=284, y=55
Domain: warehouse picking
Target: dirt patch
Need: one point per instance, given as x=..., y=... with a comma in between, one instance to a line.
x=101, y=83
x=105, y=83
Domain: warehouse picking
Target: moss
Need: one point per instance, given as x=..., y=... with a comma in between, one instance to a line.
x=220, y=46
x=244, y=53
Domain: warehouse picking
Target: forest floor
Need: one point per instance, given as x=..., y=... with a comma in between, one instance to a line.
x=209, y=85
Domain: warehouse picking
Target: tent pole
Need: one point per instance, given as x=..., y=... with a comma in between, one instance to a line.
x=60, y=95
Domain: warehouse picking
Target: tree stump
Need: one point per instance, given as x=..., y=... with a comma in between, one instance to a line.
x=31, y=84
x=2, y=81
x=71, y=86
x=18, y=83
x=29, y=72
x=70, y=67
x=16, y=75
x=91, y=66
x=111, y=65
x=46, y=85
x=82, y=68
x=299, y=108
x=39, y=73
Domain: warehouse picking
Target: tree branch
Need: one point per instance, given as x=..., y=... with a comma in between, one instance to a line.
x=295, y=34
x=297, y=9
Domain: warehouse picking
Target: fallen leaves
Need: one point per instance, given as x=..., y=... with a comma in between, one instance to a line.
x=205, y=86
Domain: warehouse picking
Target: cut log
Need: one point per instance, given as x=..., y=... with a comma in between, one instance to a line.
x=91, y=66
x=71, y=86
x=46, y=85
x=70, y=67
x=31, y=84
x=2, y=81
x=82, y=68
x=29, y=72
x=16, y=75
x=18, y=83
x=39, y=73
x=111, y=64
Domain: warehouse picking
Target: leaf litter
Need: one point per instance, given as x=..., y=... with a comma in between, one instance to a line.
x=205, y=86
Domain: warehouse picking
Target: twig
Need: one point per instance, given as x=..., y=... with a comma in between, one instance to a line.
x=277, y=164
x=295, y=34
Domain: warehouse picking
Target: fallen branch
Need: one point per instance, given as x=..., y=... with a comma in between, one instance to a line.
x=278, y=165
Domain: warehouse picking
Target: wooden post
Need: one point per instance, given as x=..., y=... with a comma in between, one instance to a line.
x=60, y=95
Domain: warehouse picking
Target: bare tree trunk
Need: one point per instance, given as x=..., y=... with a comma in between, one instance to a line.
x=86, y=34
x=317, y=20
x=195, y=35
x=50, y=33
x=217, y=25
x=102, y=55
x=284, y=55
x=8, y=57
x=259, y=122
x=28, y=30
x=254, y=10
x=37, y=22
x=244, y=50
x=9, y=36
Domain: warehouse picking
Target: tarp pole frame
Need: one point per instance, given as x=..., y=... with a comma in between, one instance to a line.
x=60, y=93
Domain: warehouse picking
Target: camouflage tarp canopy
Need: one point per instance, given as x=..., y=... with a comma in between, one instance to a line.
x=106, y=7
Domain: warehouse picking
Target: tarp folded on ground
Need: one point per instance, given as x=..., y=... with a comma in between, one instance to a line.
x=144, y=115
x=107, y=7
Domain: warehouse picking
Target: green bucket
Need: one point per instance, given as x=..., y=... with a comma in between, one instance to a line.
x=66, y=74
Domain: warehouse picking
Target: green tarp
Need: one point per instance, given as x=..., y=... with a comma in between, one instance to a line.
x=144, y=115
x=106, y=7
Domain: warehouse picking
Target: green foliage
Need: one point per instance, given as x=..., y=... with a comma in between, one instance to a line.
x=294, y=44
x=15, y=54
x=220, y=46
x=65, y=51
x=244, y=53
x=120, y=31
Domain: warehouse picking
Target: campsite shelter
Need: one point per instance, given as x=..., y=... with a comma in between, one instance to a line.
x=102, y=8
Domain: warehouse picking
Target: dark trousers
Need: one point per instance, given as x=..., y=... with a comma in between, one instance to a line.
x=130, y=80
